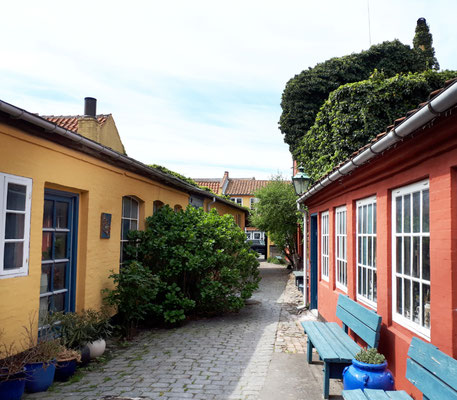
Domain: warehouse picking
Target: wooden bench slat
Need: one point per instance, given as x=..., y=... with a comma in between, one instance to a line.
x=339, y=341
x=434, y=360
x=373, y=394
x=370, y=317
x=399, y=395
x=428, y=383
x=369, y=336
x=355, y=394
x=352, y=346
x=326, y=352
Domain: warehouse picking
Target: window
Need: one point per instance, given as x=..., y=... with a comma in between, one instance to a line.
x=324, y=246
x=237, y=200
x=366, y=251
x=257, y=235
x=340, y=248
x=411, y=257
x=177, y=208
x=130, y=208
x=252, y=201
x=248, y=235
x=15, y=201
x=157, y=205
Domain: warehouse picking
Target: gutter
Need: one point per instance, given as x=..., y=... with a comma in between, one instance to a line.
x=50, y=127
x=440, y=103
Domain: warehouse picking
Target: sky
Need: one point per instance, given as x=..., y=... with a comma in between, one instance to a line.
x=195, y=86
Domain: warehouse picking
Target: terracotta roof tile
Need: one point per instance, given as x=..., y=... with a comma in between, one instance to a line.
x=214, y=185
x=70, y=122
x=244, y=186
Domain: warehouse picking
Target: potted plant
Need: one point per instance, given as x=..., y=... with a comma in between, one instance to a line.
x=99, y=328
x=12, y=372
x=368, y=371
x=67, y=360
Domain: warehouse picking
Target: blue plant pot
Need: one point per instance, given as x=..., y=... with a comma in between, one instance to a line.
x=39, y=376
x=65, y=369
x=13, y=387
x=360, y=375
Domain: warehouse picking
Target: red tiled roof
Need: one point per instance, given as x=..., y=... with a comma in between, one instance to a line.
x=244, y=186
x=213, y=184
x=379, y=136
x=70, y=122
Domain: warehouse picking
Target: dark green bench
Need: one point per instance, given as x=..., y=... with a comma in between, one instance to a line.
x=335, y=347
x=431, y=371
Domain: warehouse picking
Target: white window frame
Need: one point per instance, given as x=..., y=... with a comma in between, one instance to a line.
x=341, y=248
x=369, y=265
x=237, y=200
x=325, y=257
x=27, y=182
x=252, y=201
x=409, y=323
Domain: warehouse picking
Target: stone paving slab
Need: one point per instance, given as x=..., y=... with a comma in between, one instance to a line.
x=226, y=357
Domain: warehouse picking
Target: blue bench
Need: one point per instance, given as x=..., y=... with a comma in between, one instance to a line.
x=333, y=344
x=431, y=371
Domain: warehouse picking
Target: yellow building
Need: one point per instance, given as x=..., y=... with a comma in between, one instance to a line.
x=66, y=204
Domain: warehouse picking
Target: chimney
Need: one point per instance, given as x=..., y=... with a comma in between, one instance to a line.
x=225, y=182
x=90, y=107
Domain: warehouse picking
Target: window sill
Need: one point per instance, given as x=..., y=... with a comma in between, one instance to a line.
x=16, y=275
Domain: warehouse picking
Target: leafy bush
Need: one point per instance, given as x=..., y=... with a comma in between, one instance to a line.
x=355, y=113
x=200, y=263
x=370, y=356
x=276, y=260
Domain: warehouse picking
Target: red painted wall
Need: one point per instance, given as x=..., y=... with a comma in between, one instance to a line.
x=430, y=154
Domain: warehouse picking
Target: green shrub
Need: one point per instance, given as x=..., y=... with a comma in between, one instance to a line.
x=276, y=260
x=201, y=260
x=370, y=356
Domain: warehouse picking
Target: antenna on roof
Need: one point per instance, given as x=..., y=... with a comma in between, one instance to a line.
x=369, y=25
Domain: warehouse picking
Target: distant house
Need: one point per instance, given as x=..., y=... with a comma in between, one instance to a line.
x=241, y=192
x=383, y=230
x=67, y=203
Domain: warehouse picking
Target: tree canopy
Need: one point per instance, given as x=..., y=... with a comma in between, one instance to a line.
x=423, y=44
x=276, y=213
x=356, y=112
x=305, y=93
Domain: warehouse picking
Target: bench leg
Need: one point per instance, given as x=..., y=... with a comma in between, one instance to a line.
x=326, y=380
x=309, y=351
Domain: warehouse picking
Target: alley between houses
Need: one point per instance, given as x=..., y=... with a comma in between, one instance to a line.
x=258, y=353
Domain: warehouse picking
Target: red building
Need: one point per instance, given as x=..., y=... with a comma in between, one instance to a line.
x=383, y=230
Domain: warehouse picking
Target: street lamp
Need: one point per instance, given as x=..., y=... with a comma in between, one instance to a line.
x=301, y=181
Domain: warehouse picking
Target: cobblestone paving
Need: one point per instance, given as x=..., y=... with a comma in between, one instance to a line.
x=219, y=358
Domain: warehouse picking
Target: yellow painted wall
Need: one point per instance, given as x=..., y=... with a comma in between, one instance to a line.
x=223, y=208
x=101, y=187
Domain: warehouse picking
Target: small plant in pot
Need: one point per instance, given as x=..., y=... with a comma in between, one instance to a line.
x=368, y=371
x=67, y=360
x=12, y=372
x=99, y=329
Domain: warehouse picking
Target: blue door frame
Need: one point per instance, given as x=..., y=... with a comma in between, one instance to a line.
x=59, y=250
x=313, y=261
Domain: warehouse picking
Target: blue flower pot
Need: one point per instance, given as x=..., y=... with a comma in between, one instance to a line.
x=39, y=376
x=12, y=387
x=65, y=369
x=360, y=375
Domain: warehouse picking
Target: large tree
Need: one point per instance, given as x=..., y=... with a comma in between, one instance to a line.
x=355, y=113
x=305, y=93
x=276, y=213
x=423, y=44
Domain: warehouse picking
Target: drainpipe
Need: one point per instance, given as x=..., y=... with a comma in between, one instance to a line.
x=209, y=204
x=305, y=257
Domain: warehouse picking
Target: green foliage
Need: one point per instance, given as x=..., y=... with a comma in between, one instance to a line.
x=305, y=93
x=276, y=260
x=134, y=295
x=357, y=112
x=276, y=213
x=423, y=44
x=370, y=356
x=185, y=262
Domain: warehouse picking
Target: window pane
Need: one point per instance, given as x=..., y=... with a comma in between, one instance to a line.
x=375, y=286
x=370, y=260
x=365, y=222
x=44, y=309
x=407, y=287
x=416, y=257
x=125, y=228
x=46, y=247
x=364, y=251
x=426, y=258
x=364, y=282
x=60, y=246
x=134, y=210
x=45, y=281
x=126, y=206
x=399, y=247
x=374, y=252
x=416, y=303
x=59, y=276
x=374, y=218
x=359, y=245
x=359, y=288
x=425, y=211
x=416, y=212
x=14, y=226
x=47, y=214
x=426, y=309
x=370, y=284
x=13, y=257
x=399, y=296
x=134, y=226
x=16, y=197
x=59, y=302
x=407, y=218
x=359, y=220
x=407, y=256
x=61, y=215
x=370, y=219
x=398, y=213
